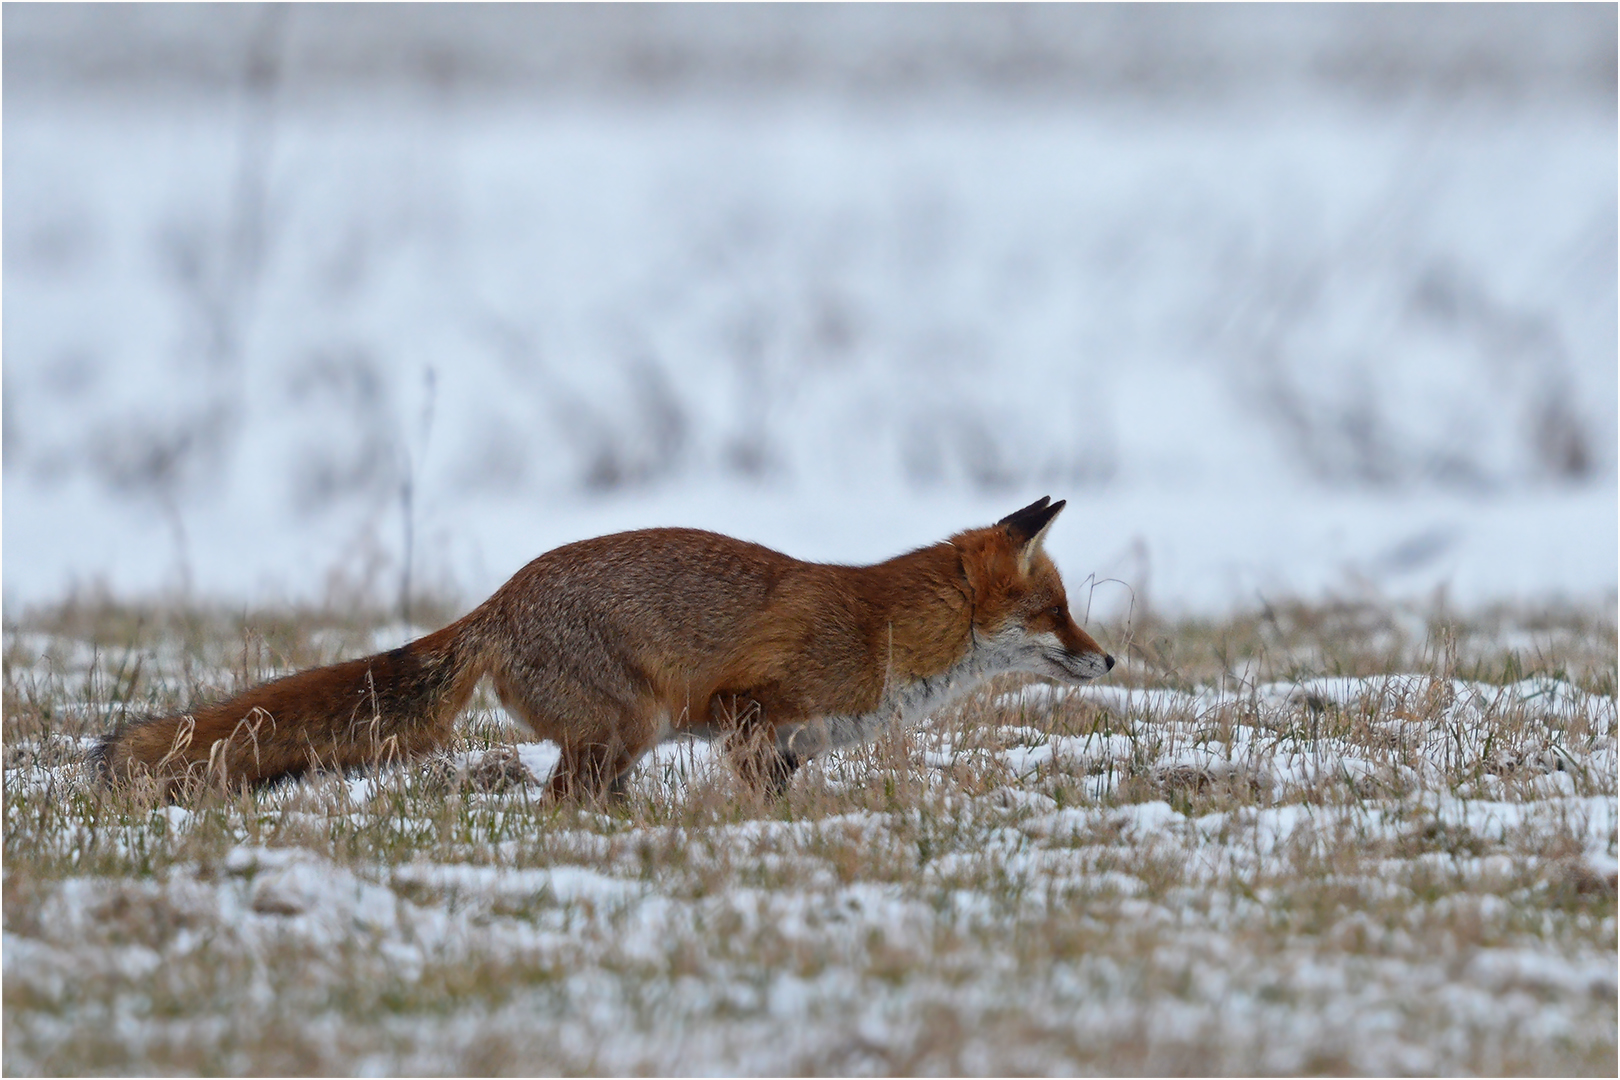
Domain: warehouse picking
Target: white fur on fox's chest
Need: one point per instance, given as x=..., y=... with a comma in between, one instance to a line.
x=906, y=703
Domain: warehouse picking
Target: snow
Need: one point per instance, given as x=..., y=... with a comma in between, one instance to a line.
x=648, y=966
x=1318, y=351
x=564, y=884
x=597, y=934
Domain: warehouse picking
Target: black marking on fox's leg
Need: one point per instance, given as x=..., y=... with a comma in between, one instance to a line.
x=779, y=774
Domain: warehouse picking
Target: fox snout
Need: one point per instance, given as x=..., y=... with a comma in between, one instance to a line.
x=1083, y=667
x=1079, y=656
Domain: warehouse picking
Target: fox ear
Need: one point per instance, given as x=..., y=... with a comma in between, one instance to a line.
x=1028, y=526
x=1035, y=507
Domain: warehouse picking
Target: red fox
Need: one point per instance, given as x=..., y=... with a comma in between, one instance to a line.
x=609, y=646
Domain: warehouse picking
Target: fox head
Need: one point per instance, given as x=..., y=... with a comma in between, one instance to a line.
x=1020, y=609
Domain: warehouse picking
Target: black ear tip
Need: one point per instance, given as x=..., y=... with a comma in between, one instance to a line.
x=1024, y=514
x=1028, y=523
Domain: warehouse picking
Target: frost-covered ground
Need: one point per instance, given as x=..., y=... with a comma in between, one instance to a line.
x=1316, y=349
x=1326, y=840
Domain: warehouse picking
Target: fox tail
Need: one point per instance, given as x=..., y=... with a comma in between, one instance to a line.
x=392, y=706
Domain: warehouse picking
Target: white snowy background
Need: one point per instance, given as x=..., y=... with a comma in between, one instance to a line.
x=1291, y=302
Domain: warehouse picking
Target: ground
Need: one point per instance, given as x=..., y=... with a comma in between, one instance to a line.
x=1324, y=839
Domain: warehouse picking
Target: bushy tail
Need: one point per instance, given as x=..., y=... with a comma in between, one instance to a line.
x=391, y=706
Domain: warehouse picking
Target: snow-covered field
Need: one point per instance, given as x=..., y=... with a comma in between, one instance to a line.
x=1218, y=862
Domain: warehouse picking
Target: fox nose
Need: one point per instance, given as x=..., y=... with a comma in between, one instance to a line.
x=1108, y=662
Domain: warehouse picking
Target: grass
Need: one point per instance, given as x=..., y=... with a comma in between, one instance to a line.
x=1310, y=840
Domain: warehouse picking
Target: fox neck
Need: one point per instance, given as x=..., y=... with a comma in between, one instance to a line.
x=906, y=701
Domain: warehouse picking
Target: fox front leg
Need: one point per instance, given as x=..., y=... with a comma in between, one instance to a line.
x=758, y=762
x=752, y=745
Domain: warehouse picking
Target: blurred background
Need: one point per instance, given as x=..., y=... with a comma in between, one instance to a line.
x=357, y=303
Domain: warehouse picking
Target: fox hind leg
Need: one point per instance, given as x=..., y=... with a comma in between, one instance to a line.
x=584, y=773
x=592, y=772
x=596, y=769
x=599, y=738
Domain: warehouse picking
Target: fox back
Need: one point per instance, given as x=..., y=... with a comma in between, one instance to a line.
x=610, y=645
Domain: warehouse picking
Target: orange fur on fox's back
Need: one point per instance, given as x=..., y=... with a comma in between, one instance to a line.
x=609, y=645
